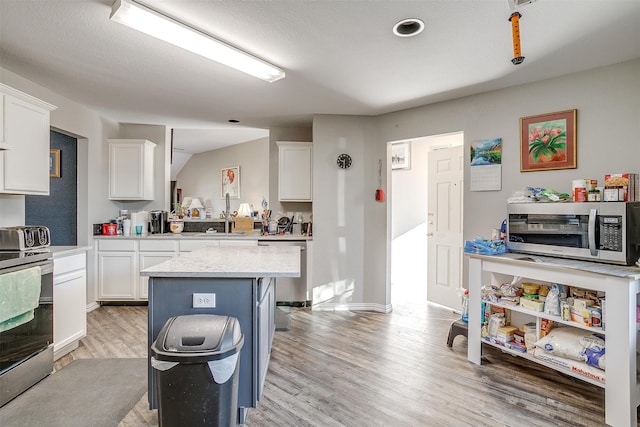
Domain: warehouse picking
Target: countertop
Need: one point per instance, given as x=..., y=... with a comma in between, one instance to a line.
x=210, y=236
x=628, y=272
x=232, y=261
x=62, y=251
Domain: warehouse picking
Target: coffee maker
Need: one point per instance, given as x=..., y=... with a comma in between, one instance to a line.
x=158, y=222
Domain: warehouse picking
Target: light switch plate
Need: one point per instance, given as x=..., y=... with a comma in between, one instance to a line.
x=204, y=300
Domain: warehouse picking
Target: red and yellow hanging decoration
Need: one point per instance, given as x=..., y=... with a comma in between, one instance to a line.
x=515, y=31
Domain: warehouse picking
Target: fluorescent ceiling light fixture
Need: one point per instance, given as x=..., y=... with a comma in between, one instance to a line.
x=148, y=21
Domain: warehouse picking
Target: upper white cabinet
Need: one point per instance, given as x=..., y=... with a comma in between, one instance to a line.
x=294, y=171
x=131, y=169
x=24, y=143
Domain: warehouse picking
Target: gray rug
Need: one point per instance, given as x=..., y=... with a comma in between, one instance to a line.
x=87, y=392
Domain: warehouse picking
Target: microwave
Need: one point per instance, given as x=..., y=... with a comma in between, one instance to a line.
x=606, y=232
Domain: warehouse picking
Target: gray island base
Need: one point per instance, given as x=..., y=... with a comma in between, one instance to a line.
x=243, y=281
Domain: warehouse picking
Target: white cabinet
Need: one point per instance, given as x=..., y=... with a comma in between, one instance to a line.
x=70, y=302
x=24, y=131
x=192, y=245
x=117, y=270
x=153, y=252
x=295, y=171
x=131, y=169
x=239, y=242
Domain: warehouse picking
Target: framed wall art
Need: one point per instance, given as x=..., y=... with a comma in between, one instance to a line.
x=401, y=155
x=548, y=141
x=230, y=179
x=54, y=163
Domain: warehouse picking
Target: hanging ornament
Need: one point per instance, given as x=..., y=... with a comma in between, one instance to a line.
x=515, y=31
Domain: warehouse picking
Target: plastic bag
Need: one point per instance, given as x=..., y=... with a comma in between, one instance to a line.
x=484, y=247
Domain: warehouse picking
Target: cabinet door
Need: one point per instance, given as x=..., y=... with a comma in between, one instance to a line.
x=294, y=171
x=266, y=328
x=117, y=276
x=25, y=167
x=131, y=170
x=192, y=245
x=239, y=242
x=149, y=259
x=3, y=144
x=70, y=313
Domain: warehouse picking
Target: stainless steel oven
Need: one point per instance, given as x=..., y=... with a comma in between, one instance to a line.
x=26, y=339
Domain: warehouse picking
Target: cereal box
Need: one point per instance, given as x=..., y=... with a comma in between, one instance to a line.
x=627, y=180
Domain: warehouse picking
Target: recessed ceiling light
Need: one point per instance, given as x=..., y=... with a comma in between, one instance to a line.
x=408, y=27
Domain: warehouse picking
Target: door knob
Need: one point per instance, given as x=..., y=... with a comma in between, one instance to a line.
x=429, y=234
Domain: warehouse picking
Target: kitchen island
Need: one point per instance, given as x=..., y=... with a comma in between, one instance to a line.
x=242, y=281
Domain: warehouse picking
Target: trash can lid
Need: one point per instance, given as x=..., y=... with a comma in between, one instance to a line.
x=199, y=333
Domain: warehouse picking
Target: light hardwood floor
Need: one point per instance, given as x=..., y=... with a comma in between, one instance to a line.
x=372, y=369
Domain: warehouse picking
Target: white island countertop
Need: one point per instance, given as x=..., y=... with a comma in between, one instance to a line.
x=237, y=262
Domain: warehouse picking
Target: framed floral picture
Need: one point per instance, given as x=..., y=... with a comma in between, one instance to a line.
x=230, y=179
x=548, y=141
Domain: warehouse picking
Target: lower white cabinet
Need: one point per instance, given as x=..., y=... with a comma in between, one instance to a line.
x=117, y=270
x=153, y=252
x=70, y=302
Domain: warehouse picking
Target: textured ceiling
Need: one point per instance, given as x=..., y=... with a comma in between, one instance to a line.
x=340, y=56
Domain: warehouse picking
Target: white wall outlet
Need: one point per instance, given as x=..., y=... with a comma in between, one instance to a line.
x=204, y=300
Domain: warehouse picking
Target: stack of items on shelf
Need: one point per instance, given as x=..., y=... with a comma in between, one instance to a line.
x=553, y=339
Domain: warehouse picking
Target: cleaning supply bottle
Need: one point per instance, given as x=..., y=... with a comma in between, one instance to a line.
x=465, y=306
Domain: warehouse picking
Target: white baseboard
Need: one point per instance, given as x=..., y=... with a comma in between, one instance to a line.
x=92, y=306
x=380, y=308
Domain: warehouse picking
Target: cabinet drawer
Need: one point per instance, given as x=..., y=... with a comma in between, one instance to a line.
x=69, y=263
x=157, y=245
x=192, y=245
x=116, y=245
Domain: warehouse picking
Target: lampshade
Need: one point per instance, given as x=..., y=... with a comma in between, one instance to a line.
x=244, y=209
x=196, y=204
x=155, y=24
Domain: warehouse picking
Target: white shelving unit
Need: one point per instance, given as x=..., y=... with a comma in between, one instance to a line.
x=621, y=286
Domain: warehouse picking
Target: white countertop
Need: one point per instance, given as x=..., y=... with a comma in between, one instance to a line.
x=630, y=272
x=237, y=262
x=62, y=251
x=210, y=236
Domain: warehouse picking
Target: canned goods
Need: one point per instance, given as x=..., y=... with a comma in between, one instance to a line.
x=565, y=310
x=596, y=316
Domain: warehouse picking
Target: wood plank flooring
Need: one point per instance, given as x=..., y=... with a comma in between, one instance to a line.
x=372, y=369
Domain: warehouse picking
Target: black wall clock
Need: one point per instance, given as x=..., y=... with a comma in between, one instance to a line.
x=344, y=161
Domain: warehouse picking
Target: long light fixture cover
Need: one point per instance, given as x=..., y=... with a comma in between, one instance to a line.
x=148, y=21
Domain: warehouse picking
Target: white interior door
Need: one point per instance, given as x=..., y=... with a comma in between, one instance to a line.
x=444, y=226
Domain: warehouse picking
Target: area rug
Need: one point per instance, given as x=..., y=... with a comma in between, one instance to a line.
x=86, y=392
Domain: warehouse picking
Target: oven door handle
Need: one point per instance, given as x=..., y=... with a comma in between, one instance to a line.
x=593, y=213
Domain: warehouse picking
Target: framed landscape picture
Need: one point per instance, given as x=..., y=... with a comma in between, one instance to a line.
x=54, y=163
x=401, y=156
x=548, y=141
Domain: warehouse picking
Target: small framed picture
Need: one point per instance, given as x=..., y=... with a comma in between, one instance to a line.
x=54, y=163
x=230, y=179
x=401, y=155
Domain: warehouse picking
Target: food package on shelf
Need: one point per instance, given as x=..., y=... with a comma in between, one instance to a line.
x=629, y=181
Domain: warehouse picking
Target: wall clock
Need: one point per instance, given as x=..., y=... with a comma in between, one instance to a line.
x=344, y=161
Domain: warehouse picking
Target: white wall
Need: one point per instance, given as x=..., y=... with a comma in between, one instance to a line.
x=201, y=175
x=608, y=130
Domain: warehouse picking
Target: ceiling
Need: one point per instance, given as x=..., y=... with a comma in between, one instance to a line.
x=340, y=57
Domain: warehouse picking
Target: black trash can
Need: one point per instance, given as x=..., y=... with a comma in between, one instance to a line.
x=196, y=361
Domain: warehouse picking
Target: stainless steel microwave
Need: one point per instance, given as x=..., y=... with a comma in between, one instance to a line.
x=594, y=231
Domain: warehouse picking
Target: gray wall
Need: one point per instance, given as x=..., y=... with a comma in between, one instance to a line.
x=608, y=128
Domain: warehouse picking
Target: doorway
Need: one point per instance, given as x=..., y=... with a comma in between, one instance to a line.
x=59, y=210
x=416, y=274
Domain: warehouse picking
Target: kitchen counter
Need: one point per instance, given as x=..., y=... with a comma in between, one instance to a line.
x=63, y=251
x=251, y=261
x=240, y=283
x=205, y=236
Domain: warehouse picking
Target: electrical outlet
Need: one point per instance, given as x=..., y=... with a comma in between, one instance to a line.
x=204, y=300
